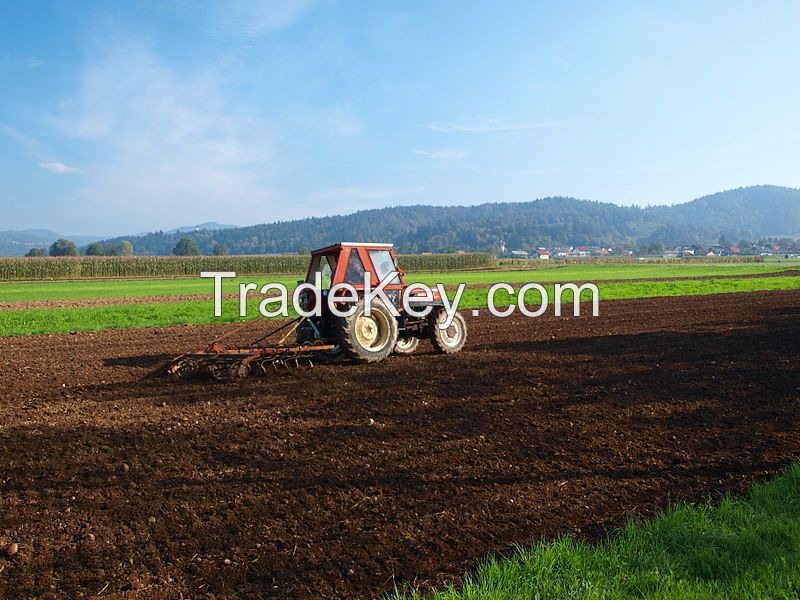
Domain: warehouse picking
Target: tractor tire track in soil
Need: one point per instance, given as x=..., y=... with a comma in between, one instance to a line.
x=341, y=481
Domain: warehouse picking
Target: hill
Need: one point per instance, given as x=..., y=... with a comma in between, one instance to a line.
x=17, y=243
x=749, y=212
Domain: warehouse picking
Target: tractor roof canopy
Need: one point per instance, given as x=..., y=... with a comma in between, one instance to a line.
x=339, y=245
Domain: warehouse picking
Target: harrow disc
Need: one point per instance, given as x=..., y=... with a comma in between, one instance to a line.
x=218, y=362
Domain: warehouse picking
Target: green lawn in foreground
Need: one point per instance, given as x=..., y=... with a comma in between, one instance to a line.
x=743, y=548
x=59, y=320
x=115, y=288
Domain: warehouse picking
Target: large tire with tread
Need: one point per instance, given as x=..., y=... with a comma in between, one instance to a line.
x=406, y=345
x=450, y=340
x=368, y=339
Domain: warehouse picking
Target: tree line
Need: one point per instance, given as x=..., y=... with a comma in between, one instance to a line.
x=64, y=247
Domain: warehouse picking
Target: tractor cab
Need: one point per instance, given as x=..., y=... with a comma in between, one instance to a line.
x=351, y=262
x=347, y=262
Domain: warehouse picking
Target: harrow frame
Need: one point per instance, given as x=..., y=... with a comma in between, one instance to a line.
x=222, y=362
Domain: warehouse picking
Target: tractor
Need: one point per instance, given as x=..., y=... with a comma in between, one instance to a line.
x=371, y=338
x=362, y=336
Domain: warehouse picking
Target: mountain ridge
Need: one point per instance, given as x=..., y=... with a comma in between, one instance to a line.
x=750, y=212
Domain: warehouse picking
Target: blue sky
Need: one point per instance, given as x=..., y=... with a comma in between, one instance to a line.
x=120, y=117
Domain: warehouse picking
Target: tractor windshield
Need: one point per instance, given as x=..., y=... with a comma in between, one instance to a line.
x=325, y=265
x=384, y=264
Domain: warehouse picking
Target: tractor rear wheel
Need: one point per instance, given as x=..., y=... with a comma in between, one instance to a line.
x=368, y=339
x=406, y=345
x=451, y=339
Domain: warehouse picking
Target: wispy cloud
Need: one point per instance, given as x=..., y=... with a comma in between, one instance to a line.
x=343, y=199
x=584, y=171
x=335, y=121
x=37, y=151
x=31, y=145
x=244, y=19
x=553, y=60
x=363, y=193
x=489, y=126
x=32, y=62
x=443, y=154
x=164, y=139
x=58, y=167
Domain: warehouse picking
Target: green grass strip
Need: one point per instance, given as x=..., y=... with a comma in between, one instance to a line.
x=116, y=288
x=743, y=548
x=60, y=320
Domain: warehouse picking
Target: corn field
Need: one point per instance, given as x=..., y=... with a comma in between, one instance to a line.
x=98, y=267
x=442, y=263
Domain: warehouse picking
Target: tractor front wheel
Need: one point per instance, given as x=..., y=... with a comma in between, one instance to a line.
x=451, y=339
x=368, y=339
x=406, y=345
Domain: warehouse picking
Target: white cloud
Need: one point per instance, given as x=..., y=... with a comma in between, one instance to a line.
x=489, y=126
x=57, y=167
x=166, y=141
x=443, y=154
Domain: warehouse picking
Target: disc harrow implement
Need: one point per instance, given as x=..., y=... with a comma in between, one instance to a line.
x=218, y=361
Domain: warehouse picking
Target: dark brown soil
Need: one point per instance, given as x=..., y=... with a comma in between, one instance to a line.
x=342, y=481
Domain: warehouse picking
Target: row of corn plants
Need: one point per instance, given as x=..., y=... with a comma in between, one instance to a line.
x=95, y=267
x=442, y=263
x=99, y=267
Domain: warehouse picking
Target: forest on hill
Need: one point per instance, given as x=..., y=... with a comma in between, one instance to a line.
x=750, y=213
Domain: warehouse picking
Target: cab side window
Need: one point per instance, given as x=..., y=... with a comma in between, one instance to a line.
x=355, y=269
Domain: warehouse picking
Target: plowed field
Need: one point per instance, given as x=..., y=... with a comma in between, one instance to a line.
x=341, y=481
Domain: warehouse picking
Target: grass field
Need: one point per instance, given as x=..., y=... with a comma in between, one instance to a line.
x=69, y=290
x=61, y=320
x=742, y=548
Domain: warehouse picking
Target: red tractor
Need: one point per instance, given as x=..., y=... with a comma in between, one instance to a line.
x=371, y=338
x=393, y=325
